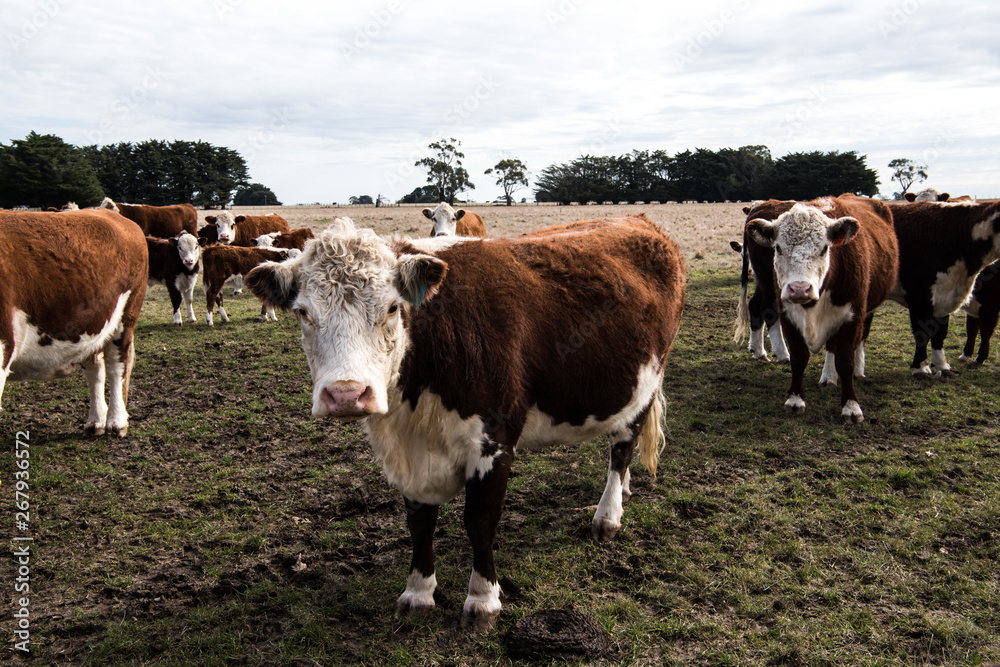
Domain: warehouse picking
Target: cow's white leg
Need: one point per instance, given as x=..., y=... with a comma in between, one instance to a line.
x=208, y=318
x=795, y=404
x=778, y=343
x=94, y=371
x=924, y=371
x=859, y=361
x=190, y=310
x=117, y=421
x=270, y=314
x=223, y=315
x=939, y=362
x=829, y=378
x=419, y=593
x=177, y=316
x=188, y=295
x=483, y=604
x=608, y=518
x=757, y=344
x=852, y=412
x=237, y=284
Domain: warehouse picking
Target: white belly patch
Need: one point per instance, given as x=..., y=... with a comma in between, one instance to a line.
x=951, y=289
x=818, y=323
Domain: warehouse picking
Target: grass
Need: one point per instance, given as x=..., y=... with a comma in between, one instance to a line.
x=764, y=540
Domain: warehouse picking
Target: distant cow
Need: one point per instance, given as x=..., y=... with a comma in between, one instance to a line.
x=176, y=263
x=449, y=222
x=222, y=262
x=982, y=313
x=456, y=351
x=71, y=288
x=163, y=222
x=295, y=239
x=942, y=249
x=835, y=262
x=241, y=230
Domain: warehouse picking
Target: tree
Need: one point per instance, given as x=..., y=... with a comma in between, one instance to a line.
x=512, y=175
x=425, y=194
x=255, y=194
x=43, y=170
x=445, y=171
x=906, y=171
x=363, y=199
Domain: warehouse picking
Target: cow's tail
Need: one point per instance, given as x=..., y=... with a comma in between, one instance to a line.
x=743, y=308
x=651, y=438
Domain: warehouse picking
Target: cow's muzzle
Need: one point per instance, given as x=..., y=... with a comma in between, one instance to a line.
x=801, y=293
x=348, y=400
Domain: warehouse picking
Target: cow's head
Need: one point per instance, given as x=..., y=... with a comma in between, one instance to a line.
x=189, y=249
x=225, y=226
x=109, y=204
x=445, y=219
x=348, y=290
x=801, y=238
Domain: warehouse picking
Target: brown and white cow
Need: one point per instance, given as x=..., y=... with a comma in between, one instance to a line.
x=223, y=262
x=160, y=221
x=449, y=222
x=942, y=248
x=175, y=263
x=455, y=352
x=982, y=313
x=835, y=262
x=293, y=240
x=71, y=288
x=241, y=230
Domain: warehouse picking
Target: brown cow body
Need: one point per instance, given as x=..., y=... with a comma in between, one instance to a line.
x=293, y=240
x=222, y=262
x=163, y=222
x=982, y=313
x=175, y=263
x=449, y=222
x=71, y=288
x=836, y=261
x=240, y=230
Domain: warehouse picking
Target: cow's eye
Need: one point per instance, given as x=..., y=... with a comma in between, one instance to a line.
x=823, y=252
x=392, y=309
x=777, y=249
x=302, y=314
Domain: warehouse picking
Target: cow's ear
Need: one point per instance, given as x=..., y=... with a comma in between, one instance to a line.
x=944, y=196
x=419, y=276
x=736, y=246
x=210, y=219
x=909, y=196
x=172, y=241
x=459, y=213
x=842, y=230
x=239, y=219
x=764, y=232
x=428, y=213
x=746, y=210
x=273, y=283
x=202, y=241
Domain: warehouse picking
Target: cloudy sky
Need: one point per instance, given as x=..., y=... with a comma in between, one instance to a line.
x=326, y=100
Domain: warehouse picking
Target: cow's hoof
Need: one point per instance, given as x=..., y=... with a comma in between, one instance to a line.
x=93, y=429
x=946, y=372
x=411, y=608
x=604, y=531
x=120, y=431
x=851, y=413
x=480, y=622
x=829, y=383
x=795, y=405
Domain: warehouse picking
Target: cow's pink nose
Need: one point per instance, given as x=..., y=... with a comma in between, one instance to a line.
x=349, y=399
x=797, y=292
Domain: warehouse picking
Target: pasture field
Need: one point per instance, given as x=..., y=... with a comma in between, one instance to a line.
x=228, y=528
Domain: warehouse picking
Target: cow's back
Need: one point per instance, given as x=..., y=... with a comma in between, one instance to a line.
x=253, y=226
x=162, y=221
x=470, y=224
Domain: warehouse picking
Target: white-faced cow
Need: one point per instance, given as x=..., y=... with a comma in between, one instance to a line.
x=223, y=262
x=240, y=230
x=163, y=222
x=942, y=249
x=71, y=288
x=982, y=313
x=175, y=263
x=835, y=261
x=293, y=240
x=449, y=222
x=457, y=351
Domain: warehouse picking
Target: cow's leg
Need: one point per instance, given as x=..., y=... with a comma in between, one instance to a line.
x=210, y=298
x=119, y=358
x=845, y=342
x=798, y=356
x=941, y=365
x=484, y=492
x=971, y=331
x=988, y=318
x=175, y=301
x=756, y=346
x=769, y=313
x=829, y=377
x=94, y=371
x=187, y=291
x=777, y=343
x=421, y=519
x=608, y=518
x=924, y=326
x=237, y=286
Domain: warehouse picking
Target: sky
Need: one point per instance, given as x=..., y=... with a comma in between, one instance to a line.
x=328, y=100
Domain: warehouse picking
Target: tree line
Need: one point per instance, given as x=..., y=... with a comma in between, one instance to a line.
x=741, y=174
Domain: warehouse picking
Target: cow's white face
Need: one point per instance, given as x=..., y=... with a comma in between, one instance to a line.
x=266, y=240
x=801, y=238
x=225, y=224
x=189, y=250
x=445, y=219
x=348, y=290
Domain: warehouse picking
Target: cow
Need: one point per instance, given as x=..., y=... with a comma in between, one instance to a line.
x=295, y=239
x=241, y=230
x=981, y=313
x=222, y=262
x=449, y=222
x=835, y=261
x=930, y=194
x=454, y=352
x=176, y=263
x=762, y=308
x=71, y=288
x=160, y=221
x=942, y=248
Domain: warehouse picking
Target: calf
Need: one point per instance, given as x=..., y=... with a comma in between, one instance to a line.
x=71, y=288
x=241, y=230
x=835, y=261
x=982, y=313
x=449, y=222
x=942, y=249
x=223, y=262
x=295, y=239
x=176, y=263
x=454, y=352
x=160, y=221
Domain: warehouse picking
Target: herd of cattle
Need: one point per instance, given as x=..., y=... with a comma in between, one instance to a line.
x=455, y=350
